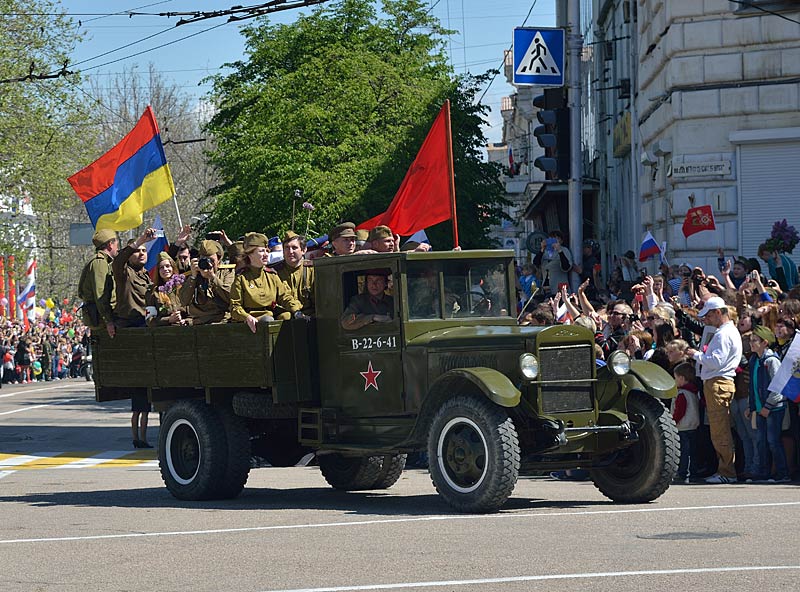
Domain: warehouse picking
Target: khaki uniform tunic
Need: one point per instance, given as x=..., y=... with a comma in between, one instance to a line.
x=363, y=307
x=300, y=281
x=96, y=289
x=165, y=305
x=255, y=292
x=133, y=286
x=212, y=304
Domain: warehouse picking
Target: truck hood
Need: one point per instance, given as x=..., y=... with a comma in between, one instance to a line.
x=474, y=335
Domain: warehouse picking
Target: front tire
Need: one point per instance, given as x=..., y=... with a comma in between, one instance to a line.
x=474, y=456
x=644, y=470
x=192, y=451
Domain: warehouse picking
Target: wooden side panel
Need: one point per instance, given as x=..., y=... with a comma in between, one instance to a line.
x=230, y=355
x=125, y=361
x=175, y=356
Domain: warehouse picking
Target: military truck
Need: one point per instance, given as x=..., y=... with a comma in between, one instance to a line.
x=452, y=374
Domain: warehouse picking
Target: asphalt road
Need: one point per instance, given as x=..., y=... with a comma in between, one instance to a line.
x=81, y=510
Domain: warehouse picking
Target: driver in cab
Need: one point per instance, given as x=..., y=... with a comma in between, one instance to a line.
x=373, y=306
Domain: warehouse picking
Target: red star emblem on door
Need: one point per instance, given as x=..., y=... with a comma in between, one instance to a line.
x=370, y=377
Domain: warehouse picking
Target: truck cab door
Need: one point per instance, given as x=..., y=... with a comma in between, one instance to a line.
x=370, y=375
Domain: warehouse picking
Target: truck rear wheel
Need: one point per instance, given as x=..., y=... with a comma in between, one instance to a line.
x=473, y=452
x=391, y=469
x=351, y=473
x=237, y=463
x=644, y=470
x=192, y=451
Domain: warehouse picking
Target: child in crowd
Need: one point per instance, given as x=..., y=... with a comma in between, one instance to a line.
x=685, y=409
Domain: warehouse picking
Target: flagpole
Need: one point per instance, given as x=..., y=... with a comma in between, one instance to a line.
x=452, y=180
x=177, y=209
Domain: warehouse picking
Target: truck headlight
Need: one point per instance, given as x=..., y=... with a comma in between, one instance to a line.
x=620, y=363
x=529, y=366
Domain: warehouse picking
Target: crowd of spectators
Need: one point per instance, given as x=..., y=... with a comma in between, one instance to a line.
x=43, y=351
x=681, y=319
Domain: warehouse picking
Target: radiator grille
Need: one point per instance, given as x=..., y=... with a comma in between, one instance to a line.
x=566, y=363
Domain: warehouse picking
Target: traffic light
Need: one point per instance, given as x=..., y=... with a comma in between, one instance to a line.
x=554, y=134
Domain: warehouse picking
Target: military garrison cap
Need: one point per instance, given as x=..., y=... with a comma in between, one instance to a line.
x=101, y=237
x=210, y=247
x=344, y=230
x=253, y=240
x=290, y=236
x=235, y=249
x=379, y=232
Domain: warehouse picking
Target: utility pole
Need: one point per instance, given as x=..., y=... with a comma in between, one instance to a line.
x=575, y=100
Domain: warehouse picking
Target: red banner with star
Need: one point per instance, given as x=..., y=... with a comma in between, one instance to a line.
x=698, y=219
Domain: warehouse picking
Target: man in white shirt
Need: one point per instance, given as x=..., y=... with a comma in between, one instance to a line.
x=717, y=369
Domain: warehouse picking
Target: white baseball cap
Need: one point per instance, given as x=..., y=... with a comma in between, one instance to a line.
x=713, y=303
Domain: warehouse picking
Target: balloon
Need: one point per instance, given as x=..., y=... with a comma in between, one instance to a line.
x=40, y=325
x=66, y=301
x=49, y=303
x=4, y=301
x=71, y=333
x=42, y=302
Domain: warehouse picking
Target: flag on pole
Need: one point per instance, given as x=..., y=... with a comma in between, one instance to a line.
x=427, y=193
x=649, y=247
x=155, y=246
x=27, y=298
x=662, y=256
x=128, y=180
x=510, y=160
x=787, y=379
x=698, y=219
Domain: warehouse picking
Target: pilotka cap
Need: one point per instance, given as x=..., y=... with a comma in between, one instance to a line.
x=101, y=237
x=210, y=247
x=253, y=240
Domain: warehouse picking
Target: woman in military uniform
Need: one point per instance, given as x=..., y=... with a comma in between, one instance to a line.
x=163, y=294
x=255, y=292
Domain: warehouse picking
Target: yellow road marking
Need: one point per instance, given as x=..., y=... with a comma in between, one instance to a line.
x=50, y=462
x=6, y=455
x=134, y=458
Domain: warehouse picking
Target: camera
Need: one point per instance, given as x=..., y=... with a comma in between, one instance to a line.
x=216, y=235
x=205, y=263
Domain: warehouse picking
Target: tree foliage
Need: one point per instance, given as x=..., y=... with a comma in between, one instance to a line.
x=44, y=136
x=337, y=104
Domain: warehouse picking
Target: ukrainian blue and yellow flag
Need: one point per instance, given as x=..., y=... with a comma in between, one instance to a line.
x=128, y=180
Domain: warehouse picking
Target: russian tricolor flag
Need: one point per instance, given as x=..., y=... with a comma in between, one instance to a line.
x=649, y=247
x=128, y=180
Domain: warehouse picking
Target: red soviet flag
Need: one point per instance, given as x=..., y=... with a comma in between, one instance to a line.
x=425, y=196
x=698, y=219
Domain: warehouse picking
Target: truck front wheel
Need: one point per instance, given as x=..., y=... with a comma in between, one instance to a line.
x=474, y=454
x=644, y=470
x=192, y=451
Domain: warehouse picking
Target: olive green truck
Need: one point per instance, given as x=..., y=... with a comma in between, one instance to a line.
x=451, y=374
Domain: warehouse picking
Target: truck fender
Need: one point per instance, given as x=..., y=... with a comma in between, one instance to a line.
x=492, y=384
x=649, y=378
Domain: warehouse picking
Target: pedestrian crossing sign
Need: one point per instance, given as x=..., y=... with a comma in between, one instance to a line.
x=538, y=56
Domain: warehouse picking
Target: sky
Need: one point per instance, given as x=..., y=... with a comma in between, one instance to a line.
x=483, y=28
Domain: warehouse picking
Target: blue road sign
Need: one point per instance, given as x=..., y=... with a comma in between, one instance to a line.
x=539, y=56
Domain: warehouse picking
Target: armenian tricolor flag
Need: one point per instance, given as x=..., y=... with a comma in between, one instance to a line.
x=128, y=180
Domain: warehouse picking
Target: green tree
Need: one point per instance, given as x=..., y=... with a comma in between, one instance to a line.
x=44, y=136
x=337, y=104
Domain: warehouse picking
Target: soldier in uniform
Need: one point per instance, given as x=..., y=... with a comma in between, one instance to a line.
x=254, y=292
x=382, y=240
x=343, y=239
x=206, y=293
x=372, y=306
x=96, y=285
x=132, y=282
x=237, y=256
x=297, y=273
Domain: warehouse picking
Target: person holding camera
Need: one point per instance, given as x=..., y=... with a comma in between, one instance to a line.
x=206, y=293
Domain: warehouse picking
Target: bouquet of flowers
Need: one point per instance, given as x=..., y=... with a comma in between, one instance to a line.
x=171, y=286
x=784, y=238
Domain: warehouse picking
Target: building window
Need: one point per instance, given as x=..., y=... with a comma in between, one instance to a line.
x=759, y=6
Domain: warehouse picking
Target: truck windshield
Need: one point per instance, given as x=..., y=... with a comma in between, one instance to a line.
x=472, y=288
